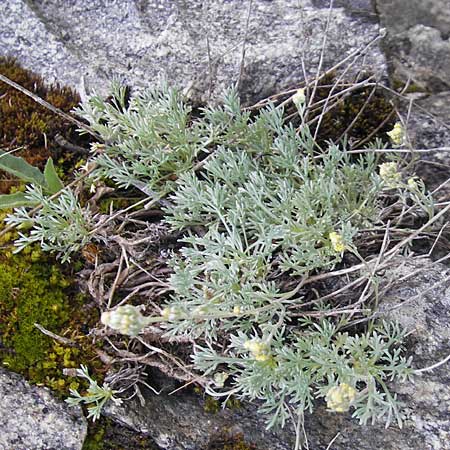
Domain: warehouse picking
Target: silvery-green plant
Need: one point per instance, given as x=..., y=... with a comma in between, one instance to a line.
x=298, y=365
x=266, y=206
x=261, y=207
x=95, y=397
x=59, y=226
x=148, y=141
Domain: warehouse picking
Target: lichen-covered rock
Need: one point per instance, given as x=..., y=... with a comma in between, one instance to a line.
x=194, y=44
x=32, y=419
x=420, y=301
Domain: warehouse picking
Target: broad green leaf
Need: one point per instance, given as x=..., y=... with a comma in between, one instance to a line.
x=14, y=200
x=54, y=184
x=21, y=169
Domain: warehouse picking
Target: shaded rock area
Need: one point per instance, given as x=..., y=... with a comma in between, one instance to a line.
x=32, y=419
x=203, y=45
x=429, y=128
x=418, y=41
x=420, y=301
x=182, y=422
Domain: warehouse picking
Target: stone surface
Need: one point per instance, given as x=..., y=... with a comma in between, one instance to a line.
x=179, y=422
x=418, y=41
x=429, y=128
x=196, y=44
x=32, y=419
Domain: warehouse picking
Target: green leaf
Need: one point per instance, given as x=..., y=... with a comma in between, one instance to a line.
x=21, y=169
x=54, y=183
x=14, y=200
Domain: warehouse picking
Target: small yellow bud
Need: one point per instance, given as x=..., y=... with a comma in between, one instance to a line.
x=236, y=309
x=299, y=97
x=220, y=378
x=200, y=311
x=126, y=319
x=170, y=313
x=336, y=242
x=390, y=174
x=412, y=184
x=258, y=349
x=339, y=398
x=397, y=134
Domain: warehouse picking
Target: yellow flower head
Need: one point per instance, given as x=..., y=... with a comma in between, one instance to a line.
x=126, y=319
x=258, y=349
x=412, y=184
x=397, y=134
x=337, y=242
x=390, y=174
x=339, y=398
x=220, y=378
x=299, y=97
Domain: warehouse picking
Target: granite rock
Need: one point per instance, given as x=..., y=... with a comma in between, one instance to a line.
x=32, y=419
x=417, y=43
x=196, y=44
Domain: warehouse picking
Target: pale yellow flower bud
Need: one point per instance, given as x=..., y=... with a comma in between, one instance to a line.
x=236, y=309
x=259, y=350
x=397, y=134
x=412, y=184
x=339, y=398
x=299, y=97
x=125, y=319
x=220, y=378
x=390, y=174
x=171, y=313
x=337, y=242
x=200, y=311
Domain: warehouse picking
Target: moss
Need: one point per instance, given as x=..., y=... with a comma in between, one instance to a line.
x=33, y=289
x=27, y=124
x=399, y=86
x=340, y=118
x=31, y=292
x=234, y=443
x=107, y=435
x=211, y=405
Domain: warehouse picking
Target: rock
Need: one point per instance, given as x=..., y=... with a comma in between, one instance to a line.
x=32, y=419
x=417, y=43
x=180, y=422
x=193, y=44
x=429, y=128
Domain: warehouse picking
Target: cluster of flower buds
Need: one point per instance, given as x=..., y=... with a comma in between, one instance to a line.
x=390, y=175
x=397, y=134
x=259, y=350
x=126, y=319
x=339, y=398
x=170, y=313
x=337, y=242
x=299, y=99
